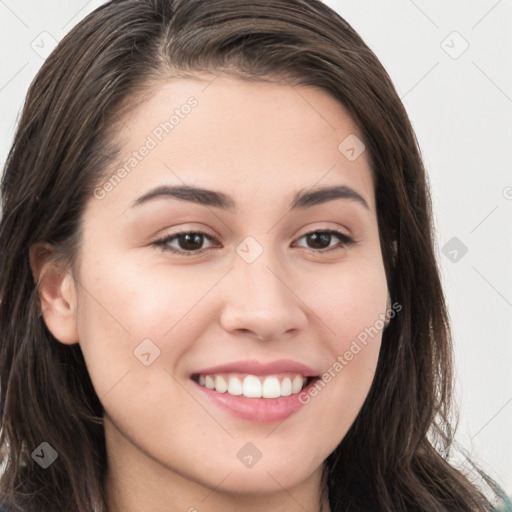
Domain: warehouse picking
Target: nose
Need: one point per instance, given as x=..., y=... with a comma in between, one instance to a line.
x=262, y=300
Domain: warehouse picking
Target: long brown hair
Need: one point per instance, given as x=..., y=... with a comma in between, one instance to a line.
x=394, y=456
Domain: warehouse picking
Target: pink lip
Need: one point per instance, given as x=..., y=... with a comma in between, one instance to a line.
x=257, y=410
x=259, y=368
x=260, y=410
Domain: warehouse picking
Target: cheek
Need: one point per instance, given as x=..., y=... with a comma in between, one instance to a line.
x=126, y=309
x=351, y=306
x=349, y=301
x=144, y=300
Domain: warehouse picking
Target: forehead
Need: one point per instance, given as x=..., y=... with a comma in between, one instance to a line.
x=224, y=133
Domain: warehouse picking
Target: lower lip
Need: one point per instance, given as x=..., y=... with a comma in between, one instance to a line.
x=260, y=410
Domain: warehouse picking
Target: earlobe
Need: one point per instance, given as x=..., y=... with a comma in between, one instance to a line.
x=57, y=294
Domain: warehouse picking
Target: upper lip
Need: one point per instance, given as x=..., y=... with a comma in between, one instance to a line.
x=254, y=367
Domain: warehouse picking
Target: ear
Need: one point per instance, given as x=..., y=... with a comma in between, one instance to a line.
x=57, y=293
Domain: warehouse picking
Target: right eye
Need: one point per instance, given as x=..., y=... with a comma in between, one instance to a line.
x=186, y=243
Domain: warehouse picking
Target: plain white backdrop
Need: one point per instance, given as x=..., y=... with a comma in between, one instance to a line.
x=451, y=65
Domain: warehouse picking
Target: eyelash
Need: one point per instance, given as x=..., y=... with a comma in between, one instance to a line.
x=162, y=243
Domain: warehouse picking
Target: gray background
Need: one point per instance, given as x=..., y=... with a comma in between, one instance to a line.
x=451, y=65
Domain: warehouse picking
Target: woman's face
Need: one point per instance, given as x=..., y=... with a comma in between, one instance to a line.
x=278, y=281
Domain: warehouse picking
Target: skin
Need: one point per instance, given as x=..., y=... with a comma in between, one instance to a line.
x=169, y=448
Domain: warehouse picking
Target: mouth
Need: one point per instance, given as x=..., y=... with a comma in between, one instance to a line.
x=259, y=392
x=254, y=386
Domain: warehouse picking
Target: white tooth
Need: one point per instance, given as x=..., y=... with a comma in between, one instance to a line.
x=235, y=386
x=209, y=382
x=201, y=380
x=297, y=383
x=286, y=387
x=252, y=387
x=271, y=388
x=221, y=386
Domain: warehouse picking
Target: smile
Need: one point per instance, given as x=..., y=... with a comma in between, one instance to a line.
x=262, y=392
x=254, y=386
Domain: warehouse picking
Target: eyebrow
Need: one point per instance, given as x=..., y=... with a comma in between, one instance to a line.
x=220, y=200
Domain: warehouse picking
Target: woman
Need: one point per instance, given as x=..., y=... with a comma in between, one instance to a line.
x=218, y=285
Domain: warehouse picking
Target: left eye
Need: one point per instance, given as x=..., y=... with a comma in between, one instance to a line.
x=190, y=243
x=321, y=240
